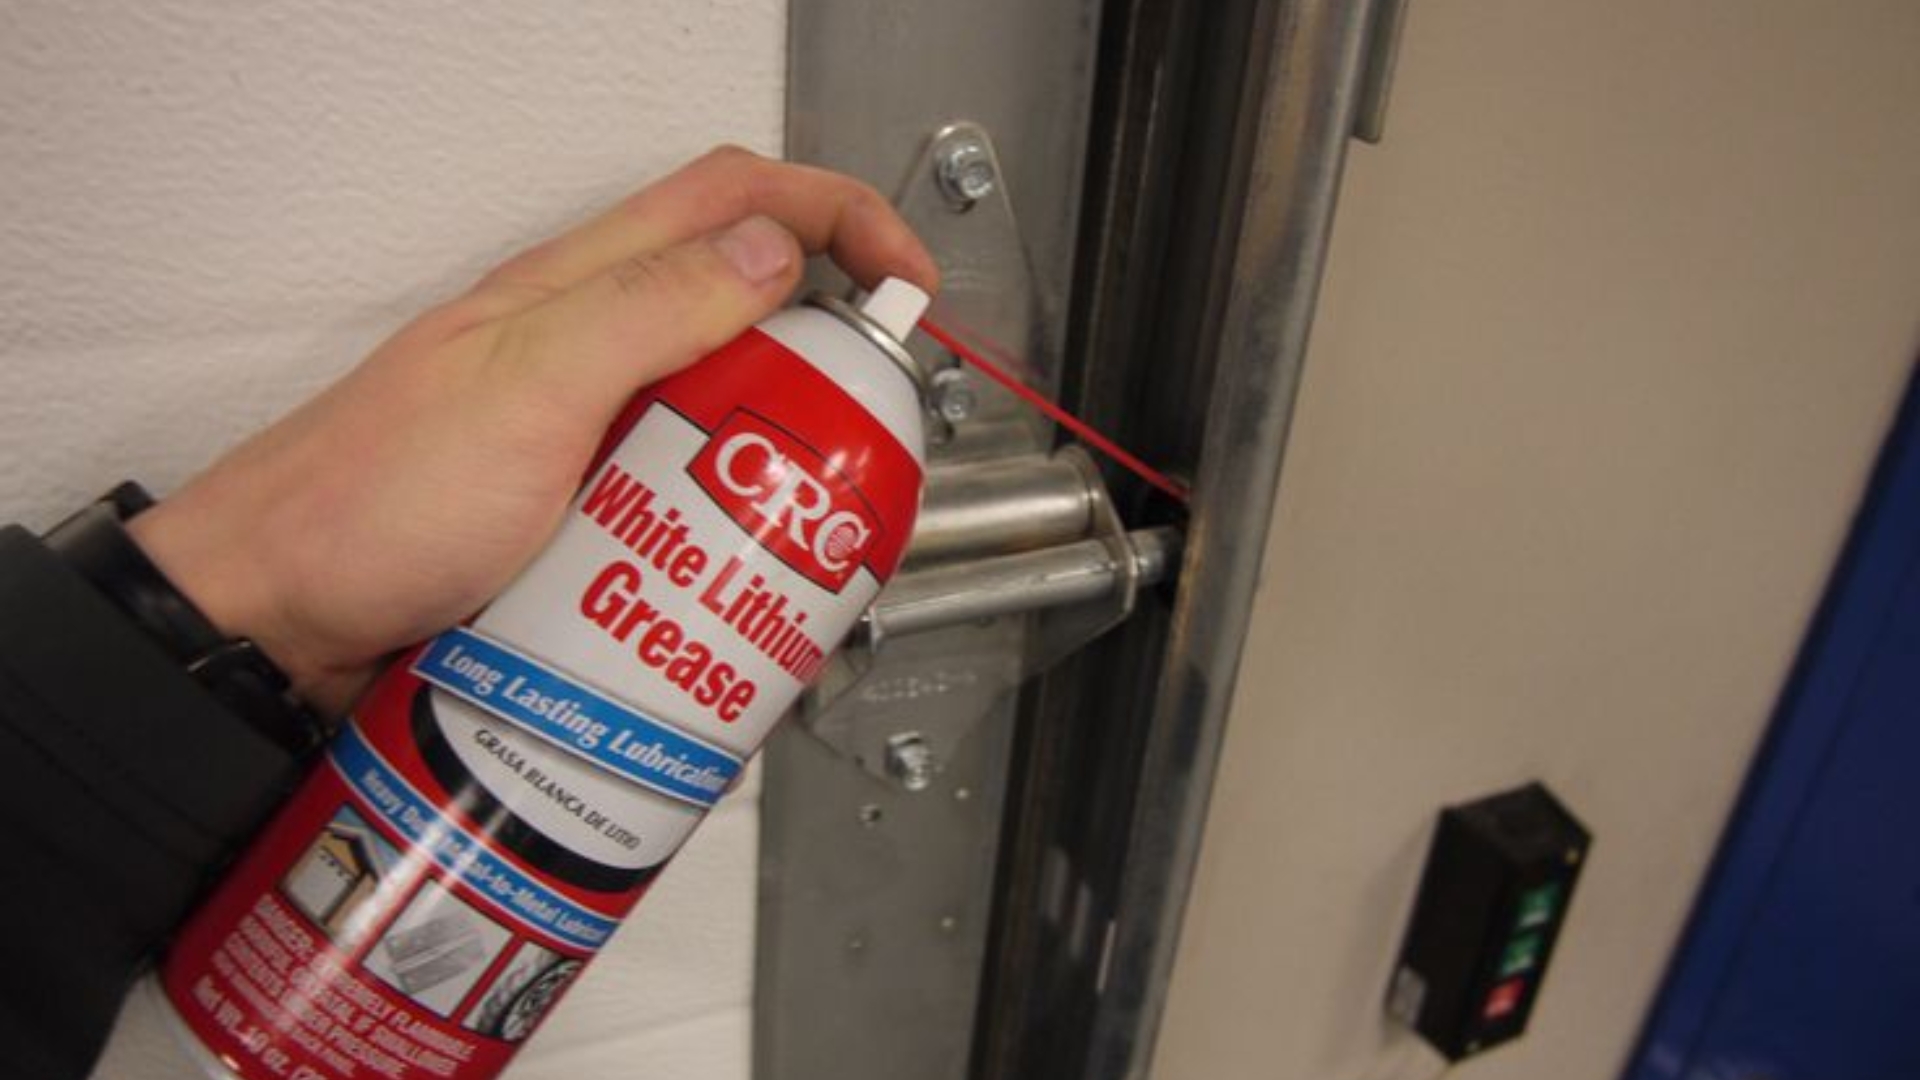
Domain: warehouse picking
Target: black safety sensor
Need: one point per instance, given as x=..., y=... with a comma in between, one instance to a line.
x=1492, y=900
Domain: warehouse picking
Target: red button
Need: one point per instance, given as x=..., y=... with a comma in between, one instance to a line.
x=1504, y=999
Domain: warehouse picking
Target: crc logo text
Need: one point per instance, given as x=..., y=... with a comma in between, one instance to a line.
x=790, y=498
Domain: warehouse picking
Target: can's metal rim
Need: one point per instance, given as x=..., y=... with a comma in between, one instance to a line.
x=885, y=342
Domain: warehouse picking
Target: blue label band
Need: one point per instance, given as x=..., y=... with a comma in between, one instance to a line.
x=579, y=720
x=460, y=853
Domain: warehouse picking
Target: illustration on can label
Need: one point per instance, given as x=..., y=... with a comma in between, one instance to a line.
x=488, y=815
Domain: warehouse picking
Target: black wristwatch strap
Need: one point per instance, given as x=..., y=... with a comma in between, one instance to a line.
x=96, y=544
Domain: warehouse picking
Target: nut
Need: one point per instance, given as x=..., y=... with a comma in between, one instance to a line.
x=965, y=171
x=954, y=397
x=910, y=761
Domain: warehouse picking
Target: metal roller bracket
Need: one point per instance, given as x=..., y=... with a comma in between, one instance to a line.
x=1006, y=585
x=1019, y=557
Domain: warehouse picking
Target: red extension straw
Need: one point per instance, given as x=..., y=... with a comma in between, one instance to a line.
x=1059, y=415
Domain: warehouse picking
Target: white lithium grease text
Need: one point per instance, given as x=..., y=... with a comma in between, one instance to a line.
x=763, y=617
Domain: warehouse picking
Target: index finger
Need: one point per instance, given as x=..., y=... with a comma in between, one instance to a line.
x=826, y=211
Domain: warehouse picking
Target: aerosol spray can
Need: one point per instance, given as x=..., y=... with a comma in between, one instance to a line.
x=507, y=791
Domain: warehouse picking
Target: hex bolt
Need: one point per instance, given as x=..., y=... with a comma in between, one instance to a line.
x=954, y=397
x=910, y=761
x=965, y=172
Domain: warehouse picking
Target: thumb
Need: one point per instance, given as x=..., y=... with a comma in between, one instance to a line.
x=592, y=346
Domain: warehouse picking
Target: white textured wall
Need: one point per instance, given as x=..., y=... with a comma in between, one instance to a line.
x=210, y=208
x=1615, y=321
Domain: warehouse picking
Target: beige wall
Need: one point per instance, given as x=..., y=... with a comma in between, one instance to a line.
x=212, y=207
x=1615, y=321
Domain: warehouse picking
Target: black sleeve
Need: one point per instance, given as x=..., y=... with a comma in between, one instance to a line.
x=125, y=787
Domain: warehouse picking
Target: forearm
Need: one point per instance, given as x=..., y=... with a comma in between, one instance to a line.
x=128, y=785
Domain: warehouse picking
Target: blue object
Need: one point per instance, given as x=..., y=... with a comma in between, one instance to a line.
x=1802, y=961
x=500, y=884
x=578, y=719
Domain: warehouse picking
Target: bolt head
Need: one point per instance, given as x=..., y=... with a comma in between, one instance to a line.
x=910, y=761
x=954, y=397
x=964, y=169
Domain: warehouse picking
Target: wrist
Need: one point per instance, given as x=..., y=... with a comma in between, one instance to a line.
x=99, y=543
x=219, y=570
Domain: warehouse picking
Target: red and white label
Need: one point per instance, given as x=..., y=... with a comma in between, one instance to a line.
x=501, y=798
x=789, y=496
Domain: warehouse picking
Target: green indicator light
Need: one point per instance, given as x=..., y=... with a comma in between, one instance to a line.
x=1537, y=905
x=1523, y=954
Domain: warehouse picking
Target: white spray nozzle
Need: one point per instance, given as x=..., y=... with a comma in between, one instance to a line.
x=896, y=306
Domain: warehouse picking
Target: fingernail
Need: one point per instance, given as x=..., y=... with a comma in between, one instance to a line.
x=759, y=249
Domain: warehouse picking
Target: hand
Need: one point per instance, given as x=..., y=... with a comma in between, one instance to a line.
x=404, y=497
